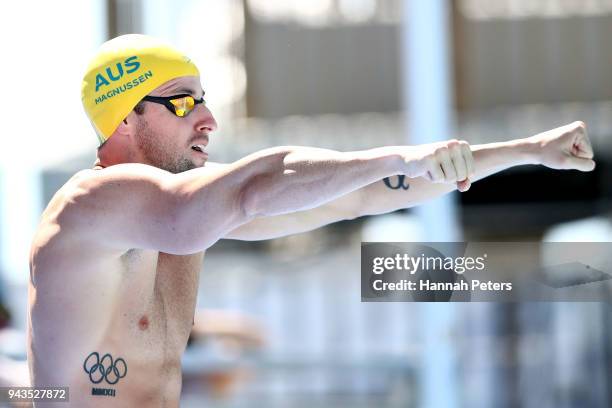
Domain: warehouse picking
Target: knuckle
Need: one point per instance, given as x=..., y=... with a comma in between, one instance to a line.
x=439, y=149
x=580, y=127
x=430, y=161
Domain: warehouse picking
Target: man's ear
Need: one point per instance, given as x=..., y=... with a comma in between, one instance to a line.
x=126, y=126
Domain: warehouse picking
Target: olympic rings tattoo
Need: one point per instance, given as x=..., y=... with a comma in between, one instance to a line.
x=104, y=368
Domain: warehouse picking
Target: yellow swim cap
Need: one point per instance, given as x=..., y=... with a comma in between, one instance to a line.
x=126, y=69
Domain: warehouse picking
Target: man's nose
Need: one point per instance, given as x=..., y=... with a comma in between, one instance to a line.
x=206, y=122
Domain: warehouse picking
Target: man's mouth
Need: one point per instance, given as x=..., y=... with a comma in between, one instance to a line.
x=198, y=148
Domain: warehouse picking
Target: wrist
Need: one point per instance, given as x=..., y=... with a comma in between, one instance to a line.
x=386, y=158
x=529, y=150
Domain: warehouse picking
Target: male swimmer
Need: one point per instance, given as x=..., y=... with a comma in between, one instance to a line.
x=115, y=261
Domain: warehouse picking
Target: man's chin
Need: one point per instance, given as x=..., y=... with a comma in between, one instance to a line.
x=182, y=166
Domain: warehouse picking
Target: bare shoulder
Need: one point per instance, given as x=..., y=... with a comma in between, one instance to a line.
x=64, y=226
x=86, y=183
x=92, y=180
x=127, y=206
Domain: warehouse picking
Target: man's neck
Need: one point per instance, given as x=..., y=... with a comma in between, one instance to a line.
x=114, y=153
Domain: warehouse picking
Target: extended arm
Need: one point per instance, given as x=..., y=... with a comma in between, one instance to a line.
x=138, y=206
x=566, y=147
x=563, y=148
x=396, y=192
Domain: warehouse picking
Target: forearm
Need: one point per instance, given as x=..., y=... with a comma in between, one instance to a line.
x=398, y=192
x=299, y=178
x=491, y=158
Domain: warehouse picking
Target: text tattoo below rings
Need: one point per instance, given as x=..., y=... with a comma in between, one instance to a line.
x=104, y=368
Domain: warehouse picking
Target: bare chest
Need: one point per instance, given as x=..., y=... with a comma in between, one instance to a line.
x=161, y=293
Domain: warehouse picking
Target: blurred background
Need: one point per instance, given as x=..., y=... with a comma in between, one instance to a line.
x=288, y=325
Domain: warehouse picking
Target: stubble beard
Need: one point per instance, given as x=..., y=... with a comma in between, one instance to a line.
x=155, y=154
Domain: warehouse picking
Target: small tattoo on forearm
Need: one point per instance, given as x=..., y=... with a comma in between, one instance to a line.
x=400, y=184
x=104, y=369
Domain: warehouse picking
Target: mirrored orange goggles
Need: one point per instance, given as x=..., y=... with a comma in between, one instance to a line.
x=180, y=105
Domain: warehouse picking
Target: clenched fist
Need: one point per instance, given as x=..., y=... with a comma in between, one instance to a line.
x=444, y=162
x=565, y=148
